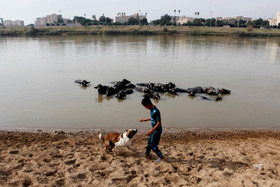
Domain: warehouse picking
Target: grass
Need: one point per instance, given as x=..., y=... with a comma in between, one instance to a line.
x=137, y=30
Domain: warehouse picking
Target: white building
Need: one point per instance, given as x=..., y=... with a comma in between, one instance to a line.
x=49, y=19
x=278, y=18
x=17, y=23
x=184, y=19
x=272, y=21
x=41, y=21
x=54, y=18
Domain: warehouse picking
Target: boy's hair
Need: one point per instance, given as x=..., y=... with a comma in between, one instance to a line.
x=146, y=101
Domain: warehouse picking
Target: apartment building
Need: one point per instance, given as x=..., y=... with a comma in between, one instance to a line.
x=54, y=18
x=49, y=19
x=184, y=19
x=272, y=21
x=41, y=21
x=278, y=18
x=122, y=18
x=16, y=23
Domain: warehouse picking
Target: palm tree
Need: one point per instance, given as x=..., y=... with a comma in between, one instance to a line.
x=174, y=17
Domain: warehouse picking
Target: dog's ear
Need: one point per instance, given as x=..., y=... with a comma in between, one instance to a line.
x=126, y=130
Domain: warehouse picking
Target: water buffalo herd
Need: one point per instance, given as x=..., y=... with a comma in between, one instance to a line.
x=121, y=89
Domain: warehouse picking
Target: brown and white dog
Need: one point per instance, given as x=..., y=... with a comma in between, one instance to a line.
x=114, y=140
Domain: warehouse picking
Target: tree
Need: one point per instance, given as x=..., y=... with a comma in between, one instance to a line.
x=210, y=22
x=198, y=22
x=220, y=23
x=132, y=21
x=165, y=20
x=104, y=20
x=265, y=23
x=144, y=21
x=29, y=25
x=242, y=23
x=117, y=23
x=156, y=22
x=83, y=21
x=257, y=23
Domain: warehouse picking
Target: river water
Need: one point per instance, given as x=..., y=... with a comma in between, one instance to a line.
x=38, y=90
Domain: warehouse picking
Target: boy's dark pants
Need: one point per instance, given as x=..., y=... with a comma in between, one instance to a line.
x=153, y=143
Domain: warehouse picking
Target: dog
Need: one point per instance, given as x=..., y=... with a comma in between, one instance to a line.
x=114, y=140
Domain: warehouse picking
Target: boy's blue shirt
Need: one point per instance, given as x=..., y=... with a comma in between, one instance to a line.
x=155, y=117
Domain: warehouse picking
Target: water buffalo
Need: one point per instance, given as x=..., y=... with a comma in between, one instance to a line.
x=195, y=90
x=83, y=82
x=121, y=95
x=211, y=90
x=224, y=91
x=101, y=89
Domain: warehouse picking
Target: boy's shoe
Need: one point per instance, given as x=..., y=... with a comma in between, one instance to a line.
x=160, y=159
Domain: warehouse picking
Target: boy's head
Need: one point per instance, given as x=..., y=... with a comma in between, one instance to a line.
x=147, y=103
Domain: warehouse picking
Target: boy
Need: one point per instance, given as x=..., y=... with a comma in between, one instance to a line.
x=156, y=128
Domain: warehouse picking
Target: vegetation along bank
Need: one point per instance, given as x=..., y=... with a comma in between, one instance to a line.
x=138, y=30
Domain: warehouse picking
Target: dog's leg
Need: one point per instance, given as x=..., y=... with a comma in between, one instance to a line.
x=115, y=150
x=112, y=145
x=132, y=149
x=107, y=146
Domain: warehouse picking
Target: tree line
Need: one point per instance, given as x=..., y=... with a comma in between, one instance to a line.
x=108, y=21
x=167, y=20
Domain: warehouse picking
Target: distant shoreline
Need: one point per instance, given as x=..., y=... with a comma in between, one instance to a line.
x=138, y=30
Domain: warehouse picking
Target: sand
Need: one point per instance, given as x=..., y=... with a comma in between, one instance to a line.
x=193, y=158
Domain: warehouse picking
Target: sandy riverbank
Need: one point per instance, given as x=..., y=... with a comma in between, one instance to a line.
x=193, y=158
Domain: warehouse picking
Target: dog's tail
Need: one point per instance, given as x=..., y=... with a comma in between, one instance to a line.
x=101, y=137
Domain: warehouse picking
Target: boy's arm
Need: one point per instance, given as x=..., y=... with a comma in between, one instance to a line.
x=155, y=128
x=143, y=120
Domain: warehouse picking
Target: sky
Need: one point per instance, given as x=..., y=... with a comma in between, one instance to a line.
x=28, y=10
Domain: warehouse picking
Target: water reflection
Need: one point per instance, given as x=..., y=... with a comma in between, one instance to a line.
x=170, y=46
x=275, y=53
x=101, y=98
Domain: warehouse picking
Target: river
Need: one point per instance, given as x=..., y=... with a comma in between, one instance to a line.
x=38, y=91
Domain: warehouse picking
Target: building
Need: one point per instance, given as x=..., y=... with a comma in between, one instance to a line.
x=278, y=19
x=41, y=21
x=272, y=21
x=122, y=18
x=229, y=20
x=16, y=23
x=232, y=20
x=54, y=18
x=238, y=18
x=49, y=19
x=184, y=19
x=1, y=21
